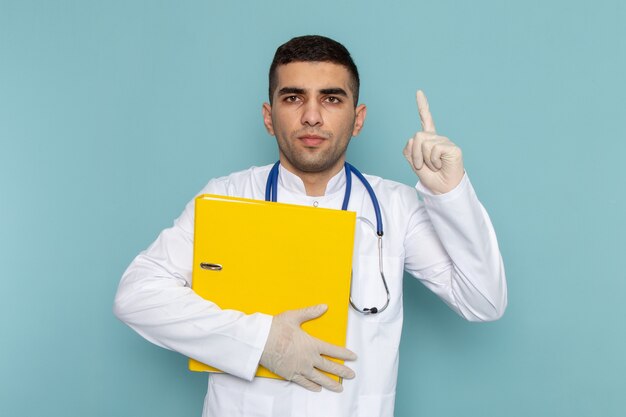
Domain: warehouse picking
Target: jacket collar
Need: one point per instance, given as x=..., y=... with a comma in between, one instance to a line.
x=293, y=184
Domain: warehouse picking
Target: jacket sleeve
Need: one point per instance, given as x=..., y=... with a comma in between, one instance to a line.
x=451, y=247
x=155, y=299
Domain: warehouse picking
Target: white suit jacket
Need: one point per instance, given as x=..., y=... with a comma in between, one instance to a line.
x=446, y=241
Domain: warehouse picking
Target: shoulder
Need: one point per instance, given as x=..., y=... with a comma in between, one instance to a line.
x=249, y=183
x=245, y=183
x=393, y=192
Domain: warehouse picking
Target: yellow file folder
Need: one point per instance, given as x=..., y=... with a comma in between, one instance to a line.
x=257, y=256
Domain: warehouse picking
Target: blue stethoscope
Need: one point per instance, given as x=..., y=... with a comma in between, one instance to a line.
x=271, y=194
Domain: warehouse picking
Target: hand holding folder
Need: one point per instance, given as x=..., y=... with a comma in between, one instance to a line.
x=257, y=256
x=296, y=356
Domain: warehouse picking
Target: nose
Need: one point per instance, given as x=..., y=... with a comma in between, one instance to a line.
x=312, y=114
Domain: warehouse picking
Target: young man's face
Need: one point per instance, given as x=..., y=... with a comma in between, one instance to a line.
x=313, y=116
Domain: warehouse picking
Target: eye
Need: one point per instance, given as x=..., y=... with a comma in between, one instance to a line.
x=291, y=99
x=332, y=100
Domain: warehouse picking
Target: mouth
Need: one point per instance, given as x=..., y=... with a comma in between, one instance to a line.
x=311, y=140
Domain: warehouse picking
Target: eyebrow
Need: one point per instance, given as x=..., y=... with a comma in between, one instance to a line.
x=291, y=90
x=295, y=90
x=334, y=91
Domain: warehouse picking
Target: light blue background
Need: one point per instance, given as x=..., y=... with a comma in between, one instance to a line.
x=114, y=113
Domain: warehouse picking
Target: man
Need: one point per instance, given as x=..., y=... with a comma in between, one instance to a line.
x=446, y=241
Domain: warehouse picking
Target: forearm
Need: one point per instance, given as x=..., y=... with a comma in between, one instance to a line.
x=473, y=282
x=154, y=298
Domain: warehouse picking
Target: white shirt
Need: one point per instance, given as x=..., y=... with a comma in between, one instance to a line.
x=446, y=241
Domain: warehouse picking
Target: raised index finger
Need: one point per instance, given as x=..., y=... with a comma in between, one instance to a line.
x=428, y=125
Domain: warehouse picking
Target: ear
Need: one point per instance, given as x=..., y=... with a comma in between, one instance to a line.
x=359, y=119
x=267, y=118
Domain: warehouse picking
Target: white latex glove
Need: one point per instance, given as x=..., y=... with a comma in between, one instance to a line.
x=296, y=356
x=435, y=159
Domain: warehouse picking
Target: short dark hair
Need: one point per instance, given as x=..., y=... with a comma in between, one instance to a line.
x=314, y=48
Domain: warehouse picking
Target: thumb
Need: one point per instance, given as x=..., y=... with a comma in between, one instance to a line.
x=310, y=313
x=408, y=149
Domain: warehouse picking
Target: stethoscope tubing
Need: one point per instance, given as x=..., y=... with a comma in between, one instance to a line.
x=271, y=194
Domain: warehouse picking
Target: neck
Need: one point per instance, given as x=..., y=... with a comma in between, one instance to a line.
x=314, y=182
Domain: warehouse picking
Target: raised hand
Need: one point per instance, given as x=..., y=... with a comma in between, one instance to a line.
x=435, y=159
